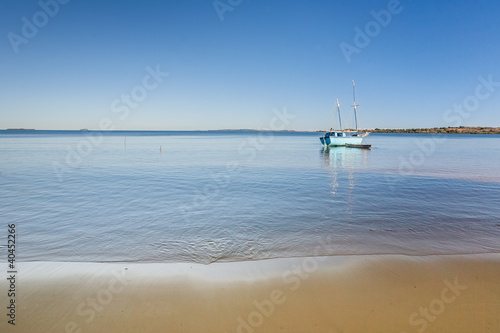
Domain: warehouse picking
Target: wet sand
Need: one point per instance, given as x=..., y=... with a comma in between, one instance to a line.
x=323, y=294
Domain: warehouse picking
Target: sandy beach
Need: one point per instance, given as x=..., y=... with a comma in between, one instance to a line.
x=317, y=294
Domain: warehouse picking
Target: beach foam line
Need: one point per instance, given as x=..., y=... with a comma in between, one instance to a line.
x=387, y=293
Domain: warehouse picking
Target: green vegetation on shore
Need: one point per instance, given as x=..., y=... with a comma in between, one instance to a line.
x=442, y=130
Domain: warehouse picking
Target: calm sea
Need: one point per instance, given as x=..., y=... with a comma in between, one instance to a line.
x=242, y=195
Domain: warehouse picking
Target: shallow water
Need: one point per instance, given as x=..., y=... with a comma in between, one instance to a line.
x=236, y=196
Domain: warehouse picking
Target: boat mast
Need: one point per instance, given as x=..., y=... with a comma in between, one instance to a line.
x=338, y=110
x=354, y=104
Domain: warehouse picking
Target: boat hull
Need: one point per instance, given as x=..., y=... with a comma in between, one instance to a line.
x=363, y=146
x=342, y=141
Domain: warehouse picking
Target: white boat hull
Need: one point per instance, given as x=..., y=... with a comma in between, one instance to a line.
x=342, y=141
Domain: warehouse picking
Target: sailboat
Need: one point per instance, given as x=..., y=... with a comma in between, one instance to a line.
x=346, y=138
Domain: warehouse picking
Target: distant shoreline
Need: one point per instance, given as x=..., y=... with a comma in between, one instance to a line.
x=434, y=130
x=442, y=130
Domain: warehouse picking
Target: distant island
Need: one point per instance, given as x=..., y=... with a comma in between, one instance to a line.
x=442, y=130
x=20, y=129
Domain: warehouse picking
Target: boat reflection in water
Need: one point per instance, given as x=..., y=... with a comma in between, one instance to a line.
x=344, y=159
x=344, y=165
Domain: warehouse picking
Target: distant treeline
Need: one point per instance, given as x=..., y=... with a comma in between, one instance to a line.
x=442, y=130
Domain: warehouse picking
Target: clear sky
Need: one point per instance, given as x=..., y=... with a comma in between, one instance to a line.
x=231, y=62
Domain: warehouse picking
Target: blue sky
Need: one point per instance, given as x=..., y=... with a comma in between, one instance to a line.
x=263, y=55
